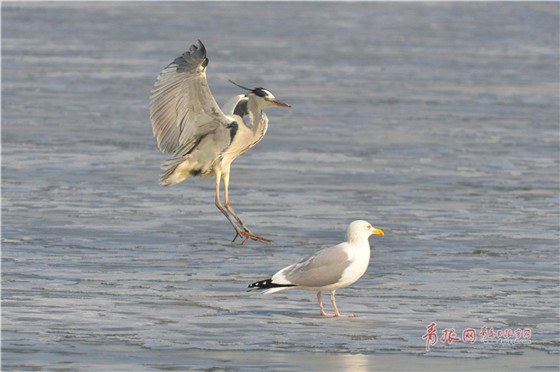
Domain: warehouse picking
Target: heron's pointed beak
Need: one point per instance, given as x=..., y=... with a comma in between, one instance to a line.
x=378, y=232
x=279, y=103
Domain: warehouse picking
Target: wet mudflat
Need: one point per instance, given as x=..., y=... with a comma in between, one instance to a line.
x=438, y=123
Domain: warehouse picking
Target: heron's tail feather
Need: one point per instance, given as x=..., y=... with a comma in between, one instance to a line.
x=172, y=172
x=269, y=286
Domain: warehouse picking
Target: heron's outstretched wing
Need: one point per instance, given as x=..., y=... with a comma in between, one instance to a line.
x=182, y=107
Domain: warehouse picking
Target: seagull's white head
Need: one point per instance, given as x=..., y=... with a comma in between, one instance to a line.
x=361, y=230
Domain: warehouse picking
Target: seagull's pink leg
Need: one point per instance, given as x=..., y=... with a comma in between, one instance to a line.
x=321, y=306
x=336, y=313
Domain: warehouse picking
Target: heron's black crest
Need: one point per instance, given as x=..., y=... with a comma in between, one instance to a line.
x=260, y=91
x=240, y=86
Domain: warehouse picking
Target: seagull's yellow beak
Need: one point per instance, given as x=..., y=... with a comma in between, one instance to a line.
x=378, y=232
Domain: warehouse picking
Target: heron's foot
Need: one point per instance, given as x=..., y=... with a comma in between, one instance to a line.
x=248, y=235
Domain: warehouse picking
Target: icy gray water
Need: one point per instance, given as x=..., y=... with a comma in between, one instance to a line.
x=436, y=122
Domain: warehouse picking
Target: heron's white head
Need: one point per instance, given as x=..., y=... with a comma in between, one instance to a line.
x=360, y=230
x=263, y=97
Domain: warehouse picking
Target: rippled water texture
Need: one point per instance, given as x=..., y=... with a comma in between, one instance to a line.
x=436, y=122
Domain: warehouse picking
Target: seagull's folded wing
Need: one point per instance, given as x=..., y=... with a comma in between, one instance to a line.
x=321, y=269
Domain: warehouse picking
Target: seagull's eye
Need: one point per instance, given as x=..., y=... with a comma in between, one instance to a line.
x=369, y=227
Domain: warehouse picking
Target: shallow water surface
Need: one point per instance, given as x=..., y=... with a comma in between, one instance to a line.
x=436, y=122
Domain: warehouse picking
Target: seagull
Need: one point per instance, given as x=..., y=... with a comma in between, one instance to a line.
x=329, y=269
x=202, y=139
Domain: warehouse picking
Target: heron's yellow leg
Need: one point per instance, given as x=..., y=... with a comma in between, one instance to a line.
x=239, y=232
x=226, y=202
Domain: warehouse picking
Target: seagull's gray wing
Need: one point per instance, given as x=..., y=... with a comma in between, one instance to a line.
x=182, y=107
x=323, y=268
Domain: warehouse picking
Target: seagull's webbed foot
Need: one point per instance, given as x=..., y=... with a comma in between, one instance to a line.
x=346, y=315
x=337, y=315
x=248, y=235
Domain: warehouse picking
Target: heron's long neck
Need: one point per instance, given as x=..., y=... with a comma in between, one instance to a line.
x=259, y=121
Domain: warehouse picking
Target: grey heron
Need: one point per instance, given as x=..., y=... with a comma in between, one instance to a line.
x=202, y=139
x=329, y=269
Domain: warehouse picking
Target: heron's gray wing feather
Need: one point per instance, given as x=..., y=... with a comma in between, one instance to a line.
x=236, y=105
x=181, y=104
x=323, y=268
x=242, y=108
